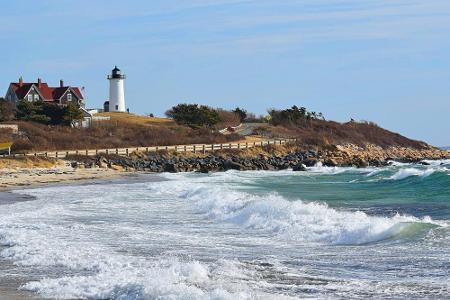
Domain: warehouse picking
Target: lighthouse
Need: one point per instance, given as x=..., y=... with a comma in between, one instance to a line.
x=116, y=91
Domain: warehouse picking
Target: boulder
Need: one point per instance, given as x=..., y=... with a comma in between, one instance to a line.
x=330, y=162
x=299, y=167
x=171, y=167
x=232, y=165
x=102, y=162
x=310, y=162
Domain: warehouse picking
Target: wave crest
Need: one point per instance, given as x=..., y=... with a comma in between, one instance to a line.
x=293, y=220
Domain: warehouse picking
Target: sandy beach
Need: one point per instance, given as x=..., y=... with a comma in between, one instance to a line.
x=23, y=177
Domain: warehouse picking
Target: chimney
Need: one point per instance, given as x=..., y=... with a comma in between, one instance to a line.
x=39, y=82
x=61, y=83
x=20, y=81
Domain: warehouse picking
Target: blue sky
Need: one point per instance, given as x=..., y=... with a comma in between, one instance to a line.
x=386, y=61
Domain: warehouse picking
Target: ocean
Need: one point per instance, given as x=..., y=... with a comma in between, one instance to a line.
x=328, y=233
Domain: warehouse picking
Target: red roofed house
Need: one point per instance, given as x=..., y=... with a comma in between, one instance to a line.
x=40, y=91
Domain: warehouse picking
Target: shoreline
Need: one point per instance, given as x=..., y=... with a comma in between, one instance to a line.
x=35, y=177
x=36, y=172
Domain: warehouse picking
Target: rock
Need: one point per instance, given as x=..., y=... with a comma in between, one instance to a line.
x=117, y=168
x=102, y=162
x=203, y=169
x=360, y=162
x=299, y=167
x=233, y=165
x=171, y=167
x=310, y=162
x=330, y=162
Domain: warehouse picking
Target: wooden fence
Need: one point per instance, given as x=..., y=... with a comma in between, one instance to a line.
x=202, y=148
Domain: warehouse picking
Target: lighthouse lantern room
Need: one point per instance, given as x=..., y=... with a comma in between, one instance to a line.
x=116, y=91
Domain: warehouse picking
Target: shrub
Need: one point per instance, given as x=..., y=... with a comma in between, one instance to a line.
x=193, y=115
x=227, y=119
x=241, y=113
x=49, y=114
x=7, y=110
x=293, y=116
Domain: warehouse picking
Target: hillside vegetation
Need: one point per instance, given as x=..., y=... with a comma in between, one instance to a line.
x=137, y=119
x=196, y=124
x=323, y=133
x=107, y=134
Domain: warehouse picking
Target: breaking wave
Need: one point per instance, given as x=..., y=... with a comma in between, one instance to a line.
x=294, y=220
x=409, y=172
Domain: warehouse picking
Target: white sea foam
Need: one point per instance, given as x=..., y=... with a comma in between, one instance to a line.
x=408, y=172
x=293, y=220
x=439, y=162
x=74, y=236
x=123, y=280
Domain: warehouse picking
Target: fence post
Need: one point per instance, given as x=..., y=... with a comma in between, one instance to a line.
x=185, y=148
x=87, y=152
x=117, y=150
x=126, y=151
x=107, y=151
x=229, y=146
x=195, y=148
x=204, y=149
x=239, y=146
x=56, y=154
x=246, y=145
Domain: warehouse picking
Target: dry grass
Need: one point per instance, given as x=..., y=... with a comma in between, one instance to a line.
x=29, y=162
x=137, y=119
x=108, y=134
x=328, y=133
x=227, y=119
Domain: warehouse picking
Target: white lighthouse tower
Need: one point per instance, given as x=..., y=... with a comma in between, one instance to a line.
x=116, y=91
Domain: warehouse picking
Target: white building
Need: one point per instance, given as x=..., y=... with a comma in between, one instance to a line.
x=116, y=91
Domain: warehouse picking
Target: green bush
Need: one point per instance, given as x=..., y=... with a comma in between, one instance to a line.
x=193, y=115
x=48, y=114
x=293, y=116
x=7, y=110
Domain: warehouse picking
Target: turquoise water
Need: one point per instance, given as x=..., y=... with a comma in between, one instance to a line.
x=325, y=233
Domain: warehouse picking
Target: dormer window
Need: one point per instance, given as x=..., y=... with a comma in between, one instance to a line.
x=69, y=97
x=36, y=97
x=30, y=98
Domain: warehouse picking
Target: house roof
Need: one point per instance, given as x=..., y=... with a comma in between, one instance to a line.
x=48, y=93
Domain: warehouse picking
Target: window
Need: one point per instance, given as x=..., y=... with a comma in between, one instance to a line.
x=69, y=97
x=36, y=97
x=117, y=107
x=30, y=97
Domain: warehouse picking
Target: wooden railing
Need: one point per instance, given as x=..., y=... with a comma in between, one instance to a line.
x=201, y=148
